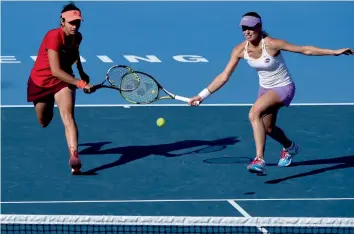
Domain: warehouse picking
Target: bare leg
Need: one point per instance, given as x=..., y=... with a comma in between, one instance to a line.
x=44, y=111
x=65, y=100
x=269, y=121
x=266, y=102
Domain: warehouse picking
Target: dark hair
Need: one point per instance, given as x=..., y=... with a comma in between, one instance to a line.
x=255, y=14
x=70, y=7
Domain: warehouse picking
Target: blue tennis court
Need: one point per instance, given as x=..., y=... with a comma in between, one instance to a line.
x=194, y=166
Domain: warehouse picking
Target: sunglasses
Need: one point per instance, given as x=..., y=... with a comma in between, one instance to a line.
x=244, y=28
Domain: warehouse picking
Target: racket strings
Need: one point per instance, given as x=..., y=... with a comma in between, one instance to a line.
x=130, y=82
x=147, y=91
x=115, y=75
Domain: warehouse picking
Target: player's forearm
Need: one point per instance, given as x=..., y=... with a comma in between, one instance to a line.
x=315, y=51
x=217, y=83
x=81, y=71
x=79, y=67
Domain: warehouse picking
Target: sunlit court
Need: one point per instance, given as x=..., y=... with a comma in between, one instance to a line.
x=147, y=165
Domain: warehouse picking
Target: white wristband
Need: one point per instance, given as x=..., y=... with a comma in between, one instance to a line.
x=204, y=93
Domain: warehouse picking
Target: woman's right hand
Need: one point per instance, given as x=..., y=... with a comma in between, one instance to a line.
x=195, y=101
x=87, y=88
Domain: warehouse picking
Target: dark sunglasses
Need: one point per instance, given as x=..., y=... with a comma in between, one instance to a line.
x=244, y=28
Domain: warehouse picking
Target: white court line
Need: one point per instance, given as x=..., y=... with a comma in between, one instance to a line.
x=181, y=200
x=170, y=0
x=168, y=105
x=245, y=214
x=239, y=208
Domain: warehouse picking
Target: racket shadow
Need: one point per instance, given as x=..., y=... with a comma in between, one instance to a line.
x=131, y=153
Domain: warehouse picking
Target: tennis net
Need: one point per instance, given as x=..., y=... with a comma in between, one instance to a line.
x=171, y=224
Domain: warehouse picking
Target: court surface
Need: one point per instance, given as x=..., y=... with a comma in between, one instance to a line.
x=196, y=164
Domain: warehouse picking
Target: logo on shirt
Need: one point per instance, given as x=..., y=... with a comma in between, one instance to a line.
x=267, y=60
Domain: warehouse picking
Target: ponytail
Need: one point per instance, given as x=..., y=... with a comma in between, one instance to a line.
x=264, y=34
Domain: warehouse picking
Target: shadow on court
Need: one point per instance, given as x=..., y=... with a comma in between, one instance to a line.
x=340, y=163
x=229, y=160
x=132, y=153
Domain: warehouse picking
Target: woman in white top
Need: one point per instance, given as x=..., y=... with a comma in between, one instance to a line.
x=277, y=88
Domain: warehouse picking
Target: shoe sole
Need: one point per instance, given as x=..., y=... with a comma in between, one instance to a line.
x=286, y=165
x=75, y=172
x=254, y=171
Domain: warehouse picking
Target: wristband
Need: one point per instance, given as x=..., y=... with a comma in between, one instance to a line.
x=81, y=84
x=204, y=93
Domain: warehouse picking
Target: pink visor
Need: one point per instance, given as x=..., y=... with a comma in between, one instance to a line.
x=71, y=15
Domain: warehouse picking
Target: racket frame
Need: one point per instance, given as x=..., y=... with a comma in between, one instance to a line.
x=160, y=87
x=112, y=84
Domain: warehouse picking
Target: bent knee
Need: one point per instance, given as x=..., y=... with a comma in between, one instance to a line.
x=251, y=116
x=44, y=124
x=254, y=114
x=45, y=120
x=269, y=130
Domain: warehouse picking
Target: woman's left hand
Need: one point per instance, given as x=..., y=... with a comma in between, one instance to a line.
x=346, y=51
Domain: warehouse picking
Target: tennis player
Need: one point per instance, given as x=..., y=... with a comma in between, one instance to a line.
x=277, y=88
x=52, y=79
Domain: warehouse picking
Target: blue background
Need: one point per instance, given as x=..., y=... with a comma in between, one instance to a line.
x=166, y=29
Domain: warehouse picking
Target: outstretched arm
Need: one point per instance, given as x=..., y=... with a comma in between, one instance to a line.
x=221, y=79
x=225, y=75
x=306, y=50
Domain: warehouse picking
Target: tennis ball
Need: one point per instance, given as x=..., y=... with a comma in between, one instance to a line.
x=160, y=122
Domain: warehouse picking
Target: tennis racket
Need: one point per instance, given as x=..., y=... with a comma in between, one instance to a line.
x=148, y=91
x=114, y=77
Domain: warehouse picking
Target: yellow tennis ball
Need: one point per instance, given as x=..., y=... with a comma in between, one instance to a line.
x=160, y=122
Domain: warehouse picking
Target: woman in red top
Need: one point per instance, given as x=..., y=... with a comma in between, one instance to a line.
x=52, y=78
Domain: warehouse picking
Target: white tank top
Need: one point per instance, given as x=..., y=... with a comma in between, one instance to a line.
x=272, y=71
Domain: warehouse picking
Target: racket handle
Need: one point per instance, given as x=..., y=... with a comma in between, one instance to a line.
x=183, y=99
x=93, y=89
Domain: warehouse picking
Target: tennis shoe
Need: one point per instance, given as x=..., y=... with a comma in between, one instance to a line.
x=75, y=162
x=257, y=166
x=286, y=155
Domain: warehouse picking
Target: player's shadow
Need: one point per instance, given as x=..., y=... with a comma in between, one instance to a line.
x=132, y=153
x=339, y=163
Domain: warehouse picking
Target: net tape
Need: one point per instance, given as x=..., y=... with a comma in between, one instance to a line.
x=178, y=221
